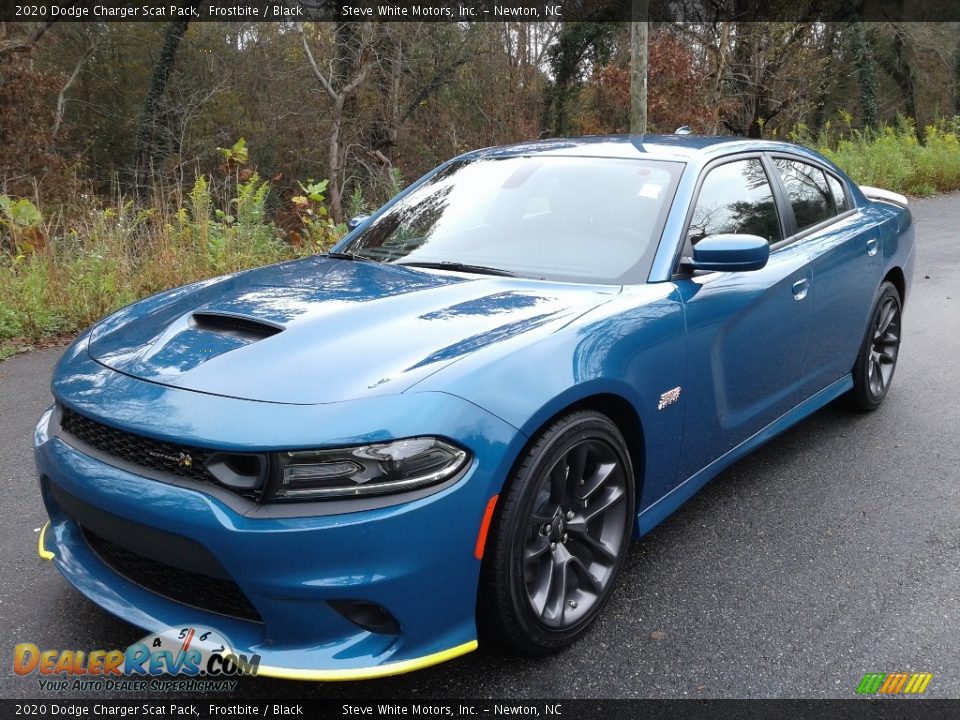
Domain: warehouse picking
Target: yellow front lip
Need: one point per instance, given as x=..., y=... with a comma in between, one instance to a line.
x=368, y=673
x=41, y=550
x=365, y=673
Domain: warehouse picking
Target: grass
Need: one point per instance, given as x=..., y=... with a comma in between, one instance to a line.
x=64, y=268
x=892, y=157
x=8, y=351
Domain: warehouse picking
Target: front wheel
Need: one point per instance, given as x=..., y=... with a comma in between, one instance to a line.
x=559, y=537
x=873, y=371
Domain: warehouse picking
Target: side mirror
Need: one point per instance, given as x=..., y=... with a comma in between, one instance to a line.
x=355, y=222
x=730, y=253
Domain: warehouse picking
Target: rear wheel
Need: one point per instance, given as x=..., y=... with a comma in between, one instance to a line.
x=559, y=537
x=877, y=361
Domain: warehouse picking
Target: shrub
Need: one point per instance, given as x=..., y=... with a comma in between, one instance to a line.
x=892, y=157
x=102, y=258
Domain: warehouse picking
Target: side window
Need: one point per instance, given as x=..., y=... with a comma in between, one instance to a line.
x=808, y=192
x=839, y=196
x=736, y=198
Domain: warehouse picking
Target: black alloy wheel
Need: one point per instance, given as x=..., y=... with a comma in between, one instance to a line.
x=877, y=361
x=560, y=536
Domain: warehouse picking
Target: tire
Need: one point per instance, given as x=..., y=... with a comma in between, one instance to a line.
x=877, y=360
x=569, y=509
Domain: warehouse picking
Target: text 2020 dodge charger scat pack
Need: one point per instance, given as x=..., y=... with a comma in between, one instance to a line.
x=453, y=424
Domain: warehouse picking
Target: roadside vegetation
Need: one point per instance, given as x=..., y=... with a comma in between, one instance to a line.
x=123, y=172
x=66, y=266
x=893, y=156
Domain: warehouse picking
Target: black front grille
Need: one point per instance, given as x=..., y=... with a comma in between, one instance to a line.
x=215, y=595
x=241, y=473
x=166, y=457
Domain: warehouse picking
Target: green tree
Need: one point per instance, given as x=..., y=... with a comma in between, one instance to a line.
x=146, y=128
x=956, y=80
x=578, y=44
x=865, y=72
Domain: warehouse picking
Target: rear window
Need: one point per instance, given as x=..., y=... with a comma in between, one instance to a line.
x=839, y=196
x=810, y=196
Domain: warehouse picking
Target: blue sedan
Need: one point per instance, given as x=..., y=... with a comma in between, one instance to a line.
x=451, y=426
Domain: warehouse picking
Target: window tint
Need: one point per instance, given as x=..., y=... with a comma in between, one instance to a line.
x=736, y=198
x=839, y=196
x=807, y=190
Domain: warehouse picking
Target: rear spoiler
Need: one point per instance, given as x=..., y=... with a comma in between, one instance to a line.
x=887, y=196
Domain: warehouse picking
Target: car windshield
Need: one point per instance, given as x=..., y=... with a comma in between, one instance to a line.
x=579, y=219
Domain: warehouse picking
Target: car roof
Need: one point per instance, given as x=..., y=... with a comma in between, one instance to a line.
x=647, y=146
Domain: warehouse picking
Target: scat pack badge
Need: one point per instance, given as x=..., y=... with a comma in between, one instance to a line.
x=184, y=651
x=669, y=398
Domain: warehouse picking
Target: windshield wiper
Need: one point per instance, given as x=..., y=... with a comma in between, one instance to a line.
x=460, y=267
x=349, y=256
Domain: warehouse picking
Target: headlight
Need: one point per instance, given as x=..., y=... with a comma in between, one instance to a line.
x=377, y=469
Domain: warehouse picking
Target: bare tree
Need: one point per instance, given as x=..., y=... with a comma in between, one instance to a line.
x=347, y=72
x=62, y=95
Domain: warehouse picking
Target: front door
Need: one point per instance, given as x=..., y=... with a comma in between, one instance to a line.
x=746, y=331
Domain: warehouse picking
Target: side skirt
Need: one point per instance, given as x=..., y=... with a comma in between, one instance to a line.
x=652, y=516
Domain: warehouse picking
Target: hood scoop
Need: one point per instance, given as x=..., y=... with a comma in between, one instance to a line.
x=235, y=326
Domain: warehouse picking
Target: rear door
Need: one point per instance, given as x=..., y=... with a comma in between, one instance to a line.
x=845, y=266
x=746, y=331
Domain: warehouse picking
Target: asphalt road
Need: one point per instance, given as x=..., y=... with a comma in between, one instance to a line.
x=831, y=552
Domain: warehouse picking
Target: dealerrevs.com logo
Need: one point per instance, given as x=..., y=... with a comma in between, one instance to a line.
x=202, y=659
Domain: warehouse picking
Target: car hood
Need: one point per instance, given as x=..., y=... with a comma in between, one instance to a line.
x=322, y=330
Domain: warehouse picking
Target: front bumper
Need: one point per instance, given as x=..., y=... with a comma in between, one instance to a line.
x=417, y=560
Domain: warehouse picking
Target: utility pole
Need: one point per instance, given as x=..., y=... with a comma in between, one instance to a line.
x=639, y=40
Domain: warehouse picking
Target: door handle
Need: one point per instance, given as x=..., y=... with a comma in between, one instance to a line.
x=800, y=288
x=873, y=244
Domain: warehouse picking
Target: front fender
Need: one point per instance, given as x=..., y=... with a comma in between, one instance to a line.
x=633, y=346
